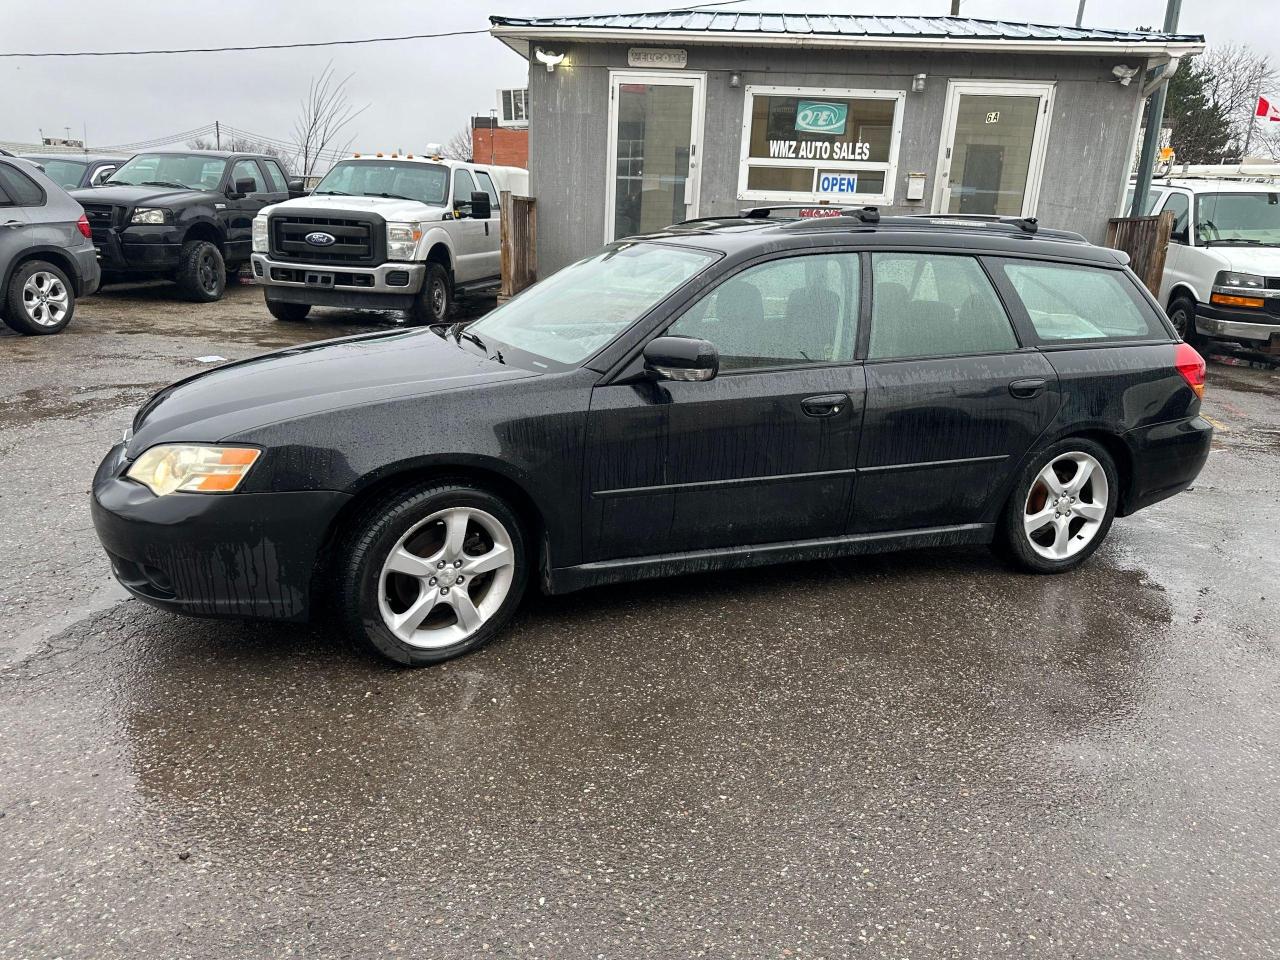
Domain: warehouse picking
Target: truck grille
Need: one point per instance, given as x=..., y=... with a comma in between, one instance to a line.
x=357, y=241
x=102, y=217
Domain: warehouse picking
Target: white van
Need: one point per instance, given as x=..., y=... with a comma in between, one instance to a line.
x=1222, y=273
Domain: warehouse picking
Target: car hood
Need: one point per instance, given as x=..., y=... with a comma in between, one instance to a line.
x=389, y=208
x=129, y=196
x=311, y=379
x=1243, y=258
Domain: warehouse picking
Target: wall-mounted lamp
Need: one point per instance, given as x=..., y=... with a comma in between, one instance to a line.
x=735, y=80
x=1124, y=74
x=917, y=82
x=550, y=59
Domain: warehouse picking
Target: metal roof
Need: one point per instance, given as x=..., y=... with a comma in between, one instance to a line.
x=785, y=29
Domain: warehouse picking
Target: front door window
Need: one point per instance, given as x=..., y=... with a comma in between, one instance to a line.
x=654, y=135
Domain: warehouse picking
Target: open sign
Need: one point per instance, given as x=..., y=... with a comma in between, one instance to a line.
x=838, y=182
x=815, y=117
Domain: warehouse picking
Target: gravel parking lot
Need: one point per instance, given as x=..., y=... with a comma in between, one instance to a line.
x=915, y=755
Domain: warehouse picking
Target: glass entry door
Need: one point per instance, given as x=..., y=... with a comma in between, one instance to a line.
x=993, y=141
x=655, y=125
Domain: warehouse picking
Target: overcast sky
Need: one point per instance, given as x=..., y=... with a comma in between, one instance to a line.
x=417, y=91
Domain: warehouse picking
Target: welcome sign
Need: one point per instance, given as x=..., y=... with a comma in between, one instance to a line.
x=813, y=116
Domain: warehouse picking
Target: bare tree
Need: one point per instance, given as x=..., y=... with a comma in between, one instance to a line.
x=322, y=119
x=459, y=145
x=1235, y=78
x=238, y=144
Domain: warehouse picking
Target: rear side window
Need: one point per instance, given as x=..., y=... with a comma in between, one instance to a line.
x=927, y=305
x=1068, y=302
x=486, y=184
x=21, y=189
x=276, y=176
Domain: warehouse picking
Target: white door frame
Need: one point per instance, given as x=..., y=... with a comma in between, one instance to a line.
x=1039, y=141
x=683, y=78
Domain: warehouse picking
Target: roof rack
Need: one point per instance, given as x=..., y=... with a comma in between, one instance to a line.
x=837, y=218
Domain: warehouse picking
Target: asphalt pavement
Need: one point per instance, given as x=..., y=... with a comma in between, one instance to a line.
x=916, y=755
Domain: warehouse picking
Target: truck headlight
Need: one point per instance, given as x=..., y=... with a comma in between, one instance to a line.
x=259, y=234
x=192, y=468
x=1244, y=281
x=402, y=240
x=151, y=215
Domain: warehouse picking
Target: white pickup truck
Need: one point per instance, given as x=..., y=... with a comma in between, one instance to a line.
x=394, y=232
x=1222, y=271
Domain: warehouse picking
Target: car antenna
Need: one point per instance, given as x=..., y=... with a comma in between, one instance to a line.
x=865, y=214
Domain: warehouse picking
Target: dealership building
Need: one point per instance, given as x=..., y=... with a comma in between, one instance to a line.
x=640, y=120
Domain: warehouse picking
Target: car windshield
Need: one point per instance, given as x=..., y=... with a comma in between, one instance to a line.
x=1238, y=218
x=65, y=173
x=572, y=314
x=407, y=179
x=191, y=170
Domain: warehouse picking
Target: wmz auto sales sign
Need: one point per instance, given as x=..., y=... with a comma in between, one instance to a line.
x=819, y=150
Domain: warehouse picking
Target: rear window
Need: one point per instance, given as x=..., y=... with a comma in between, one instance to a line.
x=1066, y=302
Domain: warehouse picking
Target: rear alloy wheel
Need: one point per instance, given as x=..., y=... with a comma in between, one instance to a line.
x=39, y=300
x=1062, y=507
x=433, y=573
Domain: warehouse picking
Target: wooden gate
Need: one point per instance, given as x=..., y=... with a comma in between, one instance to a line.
x=519, y=233
x=1146, y=240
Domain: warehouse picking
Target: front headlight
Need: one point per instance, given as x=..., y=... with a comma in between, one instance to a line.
x=1246, y=281
x=402, y=240
x=259, y=234
x=192, y=468
x=150, y=215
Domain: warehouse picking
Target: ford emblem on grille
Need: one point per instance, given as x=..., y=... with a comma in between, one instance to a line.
x=320, y=239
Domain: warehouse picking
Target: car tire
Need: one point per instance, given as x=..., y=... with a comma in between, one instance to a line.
x=435, y=302
x=1055, y=518
x=1182, y=313
x=404, y=609
x=202, y=274
x=40, y=299
x=288, y=312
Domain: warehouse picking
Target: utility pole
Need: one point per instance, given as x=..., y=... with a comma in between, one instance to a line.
x=1155, y=117
x=217, y=133
x=955, y=8
x=1080, y=13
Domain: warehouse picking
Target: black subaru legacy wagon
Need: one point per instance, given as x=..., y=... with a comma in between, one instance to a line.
x=724, y=393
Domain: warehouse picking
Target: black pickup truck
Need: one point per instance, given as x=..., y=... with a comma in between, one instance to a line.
x=186, y=215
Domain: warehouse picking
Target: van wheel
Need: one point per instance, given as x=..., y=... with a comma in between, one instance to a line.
x=1182, y=311
x=435, y=302
x=202, y=274
x=39, y=300
x=431, y=572
x=288, y=312
x=1061, y=507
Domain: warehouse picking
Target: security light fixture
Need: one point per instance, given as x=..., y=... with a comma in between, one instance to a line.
x=550, y=59
x=917, y=82
x=735, y=80
x=1124, y=74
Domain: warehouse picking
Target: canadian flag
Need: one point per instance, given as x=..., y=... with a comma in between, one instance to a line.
x=1267, y=109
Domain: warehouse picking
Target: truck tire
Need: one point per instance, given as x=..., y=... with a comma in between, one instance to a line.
x=435, y=302
x=202, y=274
x=1182, y=311
x=40, y=299
x=288, y=312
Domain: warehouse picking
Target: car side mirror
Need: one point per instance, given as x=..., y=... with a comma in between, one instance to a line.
x=681, y=358
x=481, y=208
x=1180, y=236
x=297, y=188
x=243, y=187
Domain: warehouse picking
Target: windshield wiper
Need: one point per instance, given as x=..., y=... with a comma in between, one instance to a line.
x=394, y=196
x=332, y=193
x=1209, y=243
x=163, y=183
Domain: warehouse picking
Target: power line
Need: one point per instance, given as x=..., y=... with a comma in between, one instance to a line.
x=264, y=46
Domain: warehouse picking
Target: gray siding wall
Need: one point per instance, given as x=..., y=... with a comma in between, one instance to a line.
x=1086, y=167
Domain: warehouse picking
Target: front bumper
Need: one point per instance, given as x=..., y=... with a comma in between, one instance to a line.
x=392, y=285
x=139, y=248
x=1167, y=458
x=1254, y=328
x=212, y=555
x=90, y=274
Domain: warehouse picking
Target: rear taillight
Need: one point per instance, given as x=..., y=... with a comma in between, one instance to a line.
x=83, y=225
x=1190, y=364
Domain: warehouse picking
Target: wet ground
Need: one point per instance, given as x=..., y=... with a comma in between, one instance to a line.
x=909, y=756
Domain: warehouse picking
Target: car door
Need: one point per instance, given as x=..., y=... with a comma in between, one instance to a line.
x=1184, y=264
x=492, y=249
x=468, y=232
x=15, y=232
x=242, y=209
x=953, y=400
x=762, y=453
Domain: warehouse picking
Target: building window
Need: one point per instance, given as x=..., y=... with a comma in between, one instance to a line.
x=512, y=108
x=810, y=144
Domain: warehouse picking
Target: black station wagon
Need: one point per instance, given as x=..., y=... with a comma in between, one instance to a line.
x=725, y=393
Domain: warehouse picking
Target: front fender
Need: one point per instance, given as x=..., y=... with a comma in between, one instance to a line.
x=437, y=236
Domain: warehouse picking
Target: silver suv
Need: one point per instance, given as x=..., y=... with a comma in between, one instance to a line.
x=47, y=258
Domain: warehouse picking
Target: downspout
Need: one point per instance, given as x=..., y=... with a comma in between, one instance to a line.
x=1159, y=87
